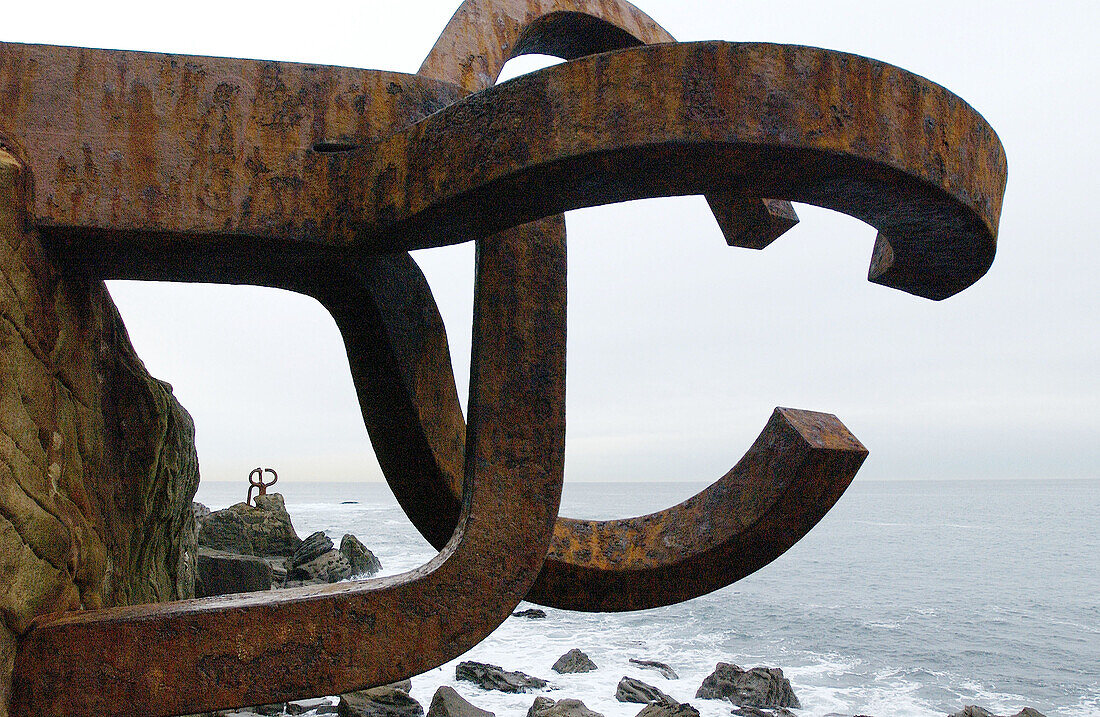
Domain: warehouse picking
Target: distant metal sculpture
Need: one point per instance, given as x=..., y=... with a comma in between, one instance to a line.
x=321, y=179
x=256, y=480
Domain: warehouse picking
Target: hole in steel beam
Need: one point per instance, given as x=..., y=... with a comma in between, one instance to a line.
x=334, y=147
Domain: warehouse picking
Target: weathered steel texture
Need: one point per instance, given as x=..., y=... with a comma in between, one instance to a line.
x=822, y=127
x=204, y=654
x=484, y=34
x=318, y=179
x=203, y=146
x=256, y=482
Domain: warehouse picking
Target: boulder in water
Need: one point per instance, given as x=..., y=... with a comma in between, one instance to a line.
x=446, y=702
x=531, y=613
x=758, y=687
x=379, y=702
x=976, y=711
x=632, y=690
x=664, y=709
x=263, y=530
x=667, y=672
x=574, y=661
x=491, y=677
x=546, y=707
x=361, y=560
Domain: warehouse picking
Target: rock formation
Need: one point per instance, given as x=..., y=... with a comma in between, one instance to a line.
x=446, y=702
x=97, y=458
x=245, y=548
x=379, y=702
x=568, y=707
x=667, y=672
x=574, y=661
x=491, y=677
x=664, y=709
x=758, y=687
x=632, y=690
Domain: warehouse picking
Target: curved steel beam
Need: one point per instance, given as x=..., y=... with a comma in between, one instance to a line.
x=484, y=34
x=827, y=128
x=200, y=655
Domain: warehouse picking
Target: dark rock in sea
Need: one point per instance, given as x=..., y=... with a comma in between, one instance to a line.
x=491, y=677
x=263, y=530
x=349, y=502
x=976, y=711
x=758, y=687
x=378, y=702
x=667, y=672
x=331, y=567
x=546, y=707
x=316, y=545
x=405, y=686
x=757, y=712
x=321, y=704
x=276, y=708
x=532, y=613
x=574, y=661
x=448, y=703
x=664, y=709
x=221, y=573
x=316, y=561
x=361, y=560
x=632, y=690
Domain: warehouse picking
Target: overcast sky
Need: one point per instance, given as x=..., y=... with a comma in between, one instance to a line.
x=679, y=346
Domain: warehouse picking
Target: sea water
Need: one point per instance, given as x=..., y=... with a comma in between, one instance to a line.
x=909, y=599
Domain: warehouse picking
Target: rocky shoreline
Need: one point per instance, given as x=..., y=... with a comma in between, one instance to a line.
x=245, y=548
x=755, y=692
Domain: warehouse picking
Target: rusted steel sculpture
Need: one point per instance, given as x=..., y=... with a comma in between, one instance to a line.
x=256, y=482
x=321, y=179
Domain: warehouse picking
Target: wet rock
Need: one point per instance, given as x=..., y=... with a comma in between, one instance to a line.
x=667, y=672
x=221, y=573
x=758, y=687
x=574, y=661
x=330, y=567
x=976, y=711
x=263, y=530
x=448, y=703
x=491, y=677
x=405, y=686
x=632, y=690
x=546, y=707
x=532, y=613
x=313, y=547
x=757, y=712
x=276, y=708
x=379, y=702
x=361, y=560
x=663, y=709
x=321, y=704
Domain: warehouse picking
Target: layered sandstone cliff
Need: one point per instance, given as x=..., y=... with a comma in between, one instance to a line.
x=97, y=458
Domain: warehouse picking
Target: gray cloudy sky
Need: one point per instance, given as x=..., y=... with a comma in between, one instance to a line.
x=679, y=347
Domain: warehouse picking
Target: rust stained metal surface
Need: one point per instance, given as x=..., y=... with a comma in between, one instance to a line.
x=256, y=482
x=200, y=655
x=320, y=179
